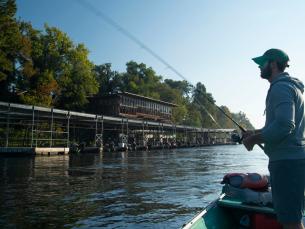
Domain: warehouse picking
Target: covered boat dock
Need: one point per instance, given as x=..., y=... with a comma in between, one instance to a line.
x=38, y=130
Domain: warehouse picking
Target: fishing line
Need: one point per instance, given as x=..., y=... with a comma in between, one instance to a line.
x=125, y=32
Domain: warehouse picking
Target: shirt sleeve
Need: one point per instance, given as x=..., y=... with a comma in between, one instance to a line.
x=283, y=106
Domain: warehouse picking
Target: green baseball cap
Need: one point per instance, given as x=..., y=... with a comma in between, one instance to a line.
x=272, y=55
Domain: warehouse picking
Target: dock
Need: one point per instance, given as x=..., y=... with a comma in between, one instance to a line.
x=34, y=130
x=34, y=151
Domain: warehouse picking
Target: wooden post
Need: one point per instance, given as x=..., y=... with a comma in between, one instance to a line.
x=33, y=123
x=162, y=133
x=102, y=131
x=127, y=129
x=175, y=134
x=36, y=131
x=51, y=135
x=122, y=122
x=95, y=137
x=68, y=130
x=7, y=125
x=99, y=135
x=143, y=133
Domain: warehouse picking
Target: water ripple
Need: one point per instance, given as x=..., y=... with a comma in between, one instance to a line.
x=157, y=189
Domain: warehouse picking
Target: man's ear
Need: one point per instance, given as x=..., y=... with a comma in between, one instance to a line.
x=273, y=64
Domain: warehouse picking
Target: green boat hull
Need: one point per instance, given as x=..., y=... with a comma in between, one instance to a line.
x=226, y=213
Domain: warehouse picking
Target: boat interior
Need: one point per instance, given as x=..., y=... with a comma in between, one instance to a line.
x=229, y=213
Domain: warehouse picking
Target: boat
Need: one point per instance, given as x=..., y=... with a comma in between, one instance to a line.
x=228, y=213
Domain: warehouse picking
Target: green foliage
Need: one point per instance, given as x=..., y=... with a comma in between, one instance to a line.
x=141, y=80
x=193, y=116
x=79, y=82
x=42, y=67
x=242, y=119
x=222, y=120
x=68, y=65
x=205, y=104
x=14, y=50
x=195, y=106
x=46, y=68
x=9, y=39
x=39, y=90
x=107, y=79
x=182, y=86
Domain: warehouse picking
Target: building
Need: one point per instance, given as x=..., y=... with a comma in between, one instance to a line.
x=129, y=105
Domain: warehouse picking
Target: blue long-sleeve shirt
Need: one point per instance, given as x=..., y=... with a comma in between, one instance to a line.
x=284, y=130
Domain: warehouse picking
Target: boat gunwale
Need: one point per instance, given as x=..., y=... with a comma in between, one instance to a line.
x=203, y=212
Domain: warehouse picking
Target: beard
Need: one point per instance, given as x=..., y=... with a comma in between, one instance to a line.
x=266, y=72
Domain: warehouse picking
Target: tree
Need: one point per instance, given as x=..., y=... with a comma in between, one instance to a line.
x=193, y=116
x=14, y=51
x=108, y=80
x=205, y=103
x=223, y=120
x=46, y=68
x=183, y=86
x=62, y=76
x=168, y=94
x=242, y=119
x=141, y=80
x=79, y=82
x=34, y=84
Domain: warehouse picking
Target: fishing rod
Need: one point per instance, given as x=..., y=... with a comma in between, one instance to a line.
x=237, y=138
x=126, y=33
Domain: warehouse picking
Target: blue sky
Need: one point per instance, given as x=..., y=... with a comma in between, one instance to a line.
x=207, y=41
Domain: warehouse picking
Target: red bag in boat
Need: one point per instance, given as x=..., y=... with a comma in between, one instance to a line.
x=261, y=221
x=246, y=180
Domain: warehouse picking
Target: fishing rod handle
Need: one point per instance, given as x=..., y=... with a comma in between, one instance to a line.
x=260, y=145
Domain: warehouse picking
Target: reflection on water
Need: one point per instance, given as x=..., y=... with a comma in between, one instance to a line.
x=158, y=189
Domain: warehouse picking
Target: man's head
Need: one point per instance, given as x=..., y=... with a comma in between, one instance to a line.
x=272, y=61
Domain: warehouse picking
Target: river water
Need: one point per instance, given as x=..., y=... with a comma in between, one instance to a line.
x=157, y=189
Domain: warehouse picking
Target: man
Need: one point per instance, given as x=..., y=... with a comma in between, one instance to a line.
x=284, y=137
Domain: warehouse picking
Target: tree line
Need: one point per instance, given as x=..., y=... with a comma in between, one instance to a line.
x=46, y=68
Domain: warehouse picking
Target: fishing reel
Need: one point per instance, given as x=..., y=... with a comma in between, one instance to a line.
x=235, y=137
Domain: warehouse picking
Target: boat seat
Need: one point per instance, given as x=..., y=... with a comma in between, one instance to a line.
x=230, y=203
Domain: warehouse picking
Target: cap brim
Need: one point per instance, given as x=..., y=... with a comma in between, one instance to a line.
x=259, y=60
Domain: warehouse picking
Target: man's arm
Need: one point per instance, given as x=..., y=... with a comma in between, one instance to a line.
x=283, y=123
x=284, y=114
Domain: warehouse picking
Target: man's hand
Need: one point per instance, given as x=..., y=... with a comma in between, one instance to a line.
x=249, y=142
x=248, y=133
x=253, y=139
